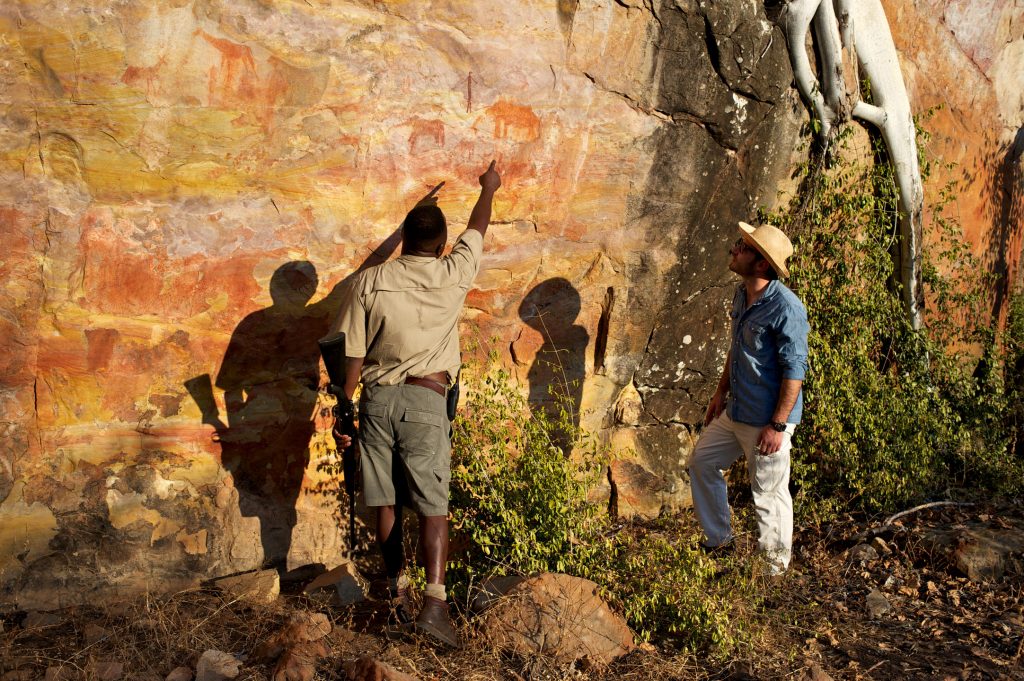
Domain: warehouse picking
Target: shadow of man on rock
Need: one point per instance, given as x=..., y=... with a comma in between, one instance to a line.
x=558, y=369
x=270, y=376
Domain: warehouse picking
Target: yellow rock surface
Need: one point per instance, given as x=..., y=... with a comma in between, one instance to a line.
x=184, y=184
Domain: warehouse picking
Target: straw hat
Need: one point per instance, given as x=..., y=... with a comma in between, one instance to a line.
x=770, y=242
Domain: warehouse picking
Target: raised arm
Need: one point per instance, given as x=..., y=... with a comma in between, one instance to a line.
x=480, y=218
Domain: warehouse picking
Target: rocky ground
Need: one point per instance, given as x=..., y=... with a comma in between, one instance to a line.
x=936, y=594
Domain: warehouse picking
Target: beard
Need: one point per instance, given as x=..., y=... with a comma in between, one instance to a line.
x=744, y=268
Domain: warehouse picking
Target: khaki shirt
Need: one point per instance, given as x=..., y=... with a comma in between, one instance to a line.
x=403, y=315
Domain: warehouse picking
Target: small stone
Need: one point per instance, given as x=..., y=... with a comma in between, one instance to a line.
x=368, y=669
x=308, y=626
x=341, y=586
x=108, y=670
x=94, y=633
x=216, y=665
x=878, y=604
x=261, y=587
x=298, y=663
x=179, y=674
x=814, y=672
x=861, y=553
x=40, y=620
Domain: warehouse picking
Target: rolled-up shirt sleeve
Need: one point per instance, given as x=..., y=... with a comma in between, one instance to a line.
x=352, y=322
x=792, y=343
x=464, y=260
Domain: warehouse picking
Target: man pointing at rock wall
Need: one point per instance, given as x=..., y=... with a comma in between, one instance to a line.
x=400, y=321
x=759, y=399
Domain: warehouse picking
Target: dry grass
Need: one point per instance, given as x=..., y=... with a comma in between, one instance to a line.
x=942, y=626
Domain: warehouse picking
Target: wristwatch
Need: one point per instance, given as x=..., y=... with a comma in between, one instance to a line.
x=778, y=427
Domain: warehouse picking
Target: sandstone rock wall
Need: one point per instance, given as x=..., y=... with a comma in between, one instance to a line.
x=186, y=183
x=967, y=57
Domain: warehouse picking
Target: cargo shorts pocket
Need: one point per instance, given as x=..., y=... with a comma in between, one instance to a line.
x=419, y=416
x=379, y=409
x=422, y=431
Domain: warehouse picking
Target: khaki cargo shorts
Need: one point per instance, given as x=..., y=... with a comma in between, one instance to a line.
x=405, y=445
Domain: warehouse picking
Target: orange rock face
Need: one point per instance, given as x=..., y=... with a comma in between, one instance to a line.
x=968, y=59
x=186, y=183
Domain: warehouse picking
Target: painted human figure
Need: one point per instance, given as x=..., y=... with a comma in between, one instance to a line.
x=758, y=402
x=400, y=321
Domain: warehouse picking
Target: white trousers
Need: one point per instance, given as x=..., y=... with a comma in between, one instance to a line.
x=720, y=444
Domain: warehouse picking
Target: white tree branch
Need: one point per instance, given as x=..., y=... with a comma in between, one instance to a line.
x=870, y=113
x=798, y=23
x=830, y=47
x=876, y=54
x=861, y=25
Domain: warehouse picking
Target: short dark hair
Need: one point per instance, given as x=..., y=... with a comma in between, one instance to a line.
x=770, y=274
x=424, y=226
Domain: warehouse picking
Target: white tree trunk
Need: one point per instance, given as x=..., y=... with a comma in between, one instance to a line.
x=861, y=26
x=876, y=54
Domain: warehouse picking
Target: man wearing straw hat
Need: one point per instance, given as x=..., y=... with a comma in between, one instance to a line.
x=758, y=403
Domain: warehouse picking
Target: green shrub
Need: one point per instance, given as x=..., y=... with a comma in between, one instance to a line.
x=669, y=590
x=517, y=498
x=892, y=415
x=1013, y=344
x=521, y=504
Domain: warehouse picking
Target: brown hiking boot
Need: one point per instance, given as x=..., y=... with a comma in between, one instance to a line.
x=436, y=623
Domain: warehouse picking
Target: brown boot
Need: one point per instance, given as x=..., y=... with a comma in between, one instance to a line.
x=436, y=623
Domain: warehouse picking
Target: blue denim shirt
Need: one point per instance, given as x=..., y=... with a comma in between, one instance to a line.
x=769, y=343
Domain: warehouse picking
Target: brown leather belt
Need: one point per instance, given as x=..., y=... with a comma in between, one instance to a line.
x=433, y=382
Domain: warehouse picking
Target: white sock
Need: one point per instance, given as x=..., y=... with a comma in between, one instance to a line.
x=436, y=591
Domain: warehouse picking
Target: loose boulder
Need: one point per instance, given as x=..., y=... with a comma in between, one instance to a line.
x=216, y=665
x=980, y=551
x=560, y=616
x=260, y=586
x=366, y=668
x=341, y=586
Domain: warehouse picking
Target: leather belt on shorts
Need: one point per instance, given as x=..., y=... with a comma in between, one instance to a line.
x=433, y=381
